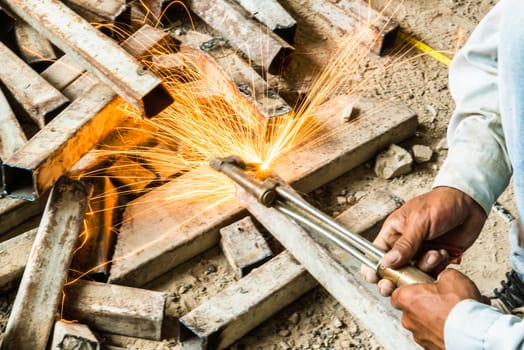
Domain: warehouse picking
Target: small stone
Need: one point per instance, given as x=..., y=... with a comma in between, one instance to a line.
x=393, y=162
x=294, y=318
x=184, y=288
x=211, y=269
x=442, y=144
x=341, y=200
x=284, y=332
x=421, y=153
x=337, y=322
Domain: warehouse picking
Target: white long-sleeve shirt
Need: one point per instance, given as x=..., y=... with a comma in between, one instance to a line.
x=478, y=164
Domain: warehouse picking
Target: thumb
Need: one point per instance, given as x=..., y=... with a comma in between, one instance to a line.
x=401, y=253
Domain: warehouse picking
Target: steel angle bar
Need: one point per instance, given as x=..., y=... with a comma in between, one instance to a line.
x=96, y=52
x=33, y=47
x=273, y=15
x=12, y=136
x=40, y=291
x=107, y=11
x=116, y=309
x=39, y=99
x=248, y=82
x=13, y=258
x=342, y=280
x=35, y=167
x=263, y=48
x=357, y=18
x=242, y=306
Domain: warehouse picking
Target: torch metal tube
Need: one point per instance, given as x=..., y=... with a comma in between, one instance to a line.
x=361, y=243
x=332, y=235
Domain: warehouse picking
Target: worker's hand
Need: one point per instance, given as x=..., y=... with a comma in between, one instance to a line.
x=425, y=307
x=441, y=217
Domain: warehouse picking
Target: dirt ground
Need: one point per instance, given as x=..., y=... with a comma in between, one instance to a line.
x=317, y=320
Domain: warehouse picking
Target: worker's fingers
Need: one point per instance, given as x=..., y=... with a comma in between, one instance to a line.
x=433, y=261
x=368, y=274
x=385, y=287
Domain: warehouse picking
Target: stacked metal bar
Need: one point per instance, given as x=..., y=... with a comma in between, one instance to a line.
x=77, y=62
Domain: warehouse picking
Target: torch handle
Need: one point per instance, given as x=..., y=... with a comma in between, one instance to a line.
x=405, y=275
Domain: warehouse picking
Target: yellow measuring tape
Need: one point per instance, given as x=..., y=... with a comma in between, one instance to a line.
x=439, y=56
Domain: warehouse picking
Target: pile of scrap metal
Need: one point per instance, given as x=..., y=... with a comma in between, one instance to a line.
x=66, y=68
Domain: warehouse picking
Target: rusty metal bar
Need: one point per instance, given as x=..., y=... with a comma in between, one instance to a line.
x=79, y=86
x=337, y=272
x=146, y=41
x=96, y=52
x=98, y=237
x=69, y=336
x=39, y=99
x=96, y=11
x=33, y=47
x=15, y=212
x=13, y=258
x=38, y=297
x=12, y=137
x=355, y=17
x=244, y=246
x=116, y=309
x=63, y=72
x=243, y=305
x=198, y=333
x=345, y=146
x=55, y=149
x=247, y=81
x=267, y=50
x=273, y=15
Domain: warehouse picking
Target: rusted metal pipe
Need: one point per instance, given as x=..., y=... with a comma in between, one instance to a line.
x=264, y=48
x=35, y=167
x=96, y=52
x=40, y=291
x=38, y=99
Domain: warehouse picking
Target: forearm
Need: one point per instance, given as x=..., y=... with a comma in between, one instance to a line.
x=472, y=325
x=477, y=162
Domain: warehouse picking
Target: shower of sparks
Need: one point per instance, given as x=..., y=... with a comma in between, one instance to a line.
x=210, y=118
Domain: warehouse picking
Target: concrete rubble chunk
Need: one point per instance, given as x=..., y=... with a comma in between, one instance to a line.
x=393, y=162
x=421, y=153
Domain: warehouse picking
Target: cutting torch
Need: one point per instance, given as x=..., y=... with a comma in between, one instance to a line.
x=272, y=193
